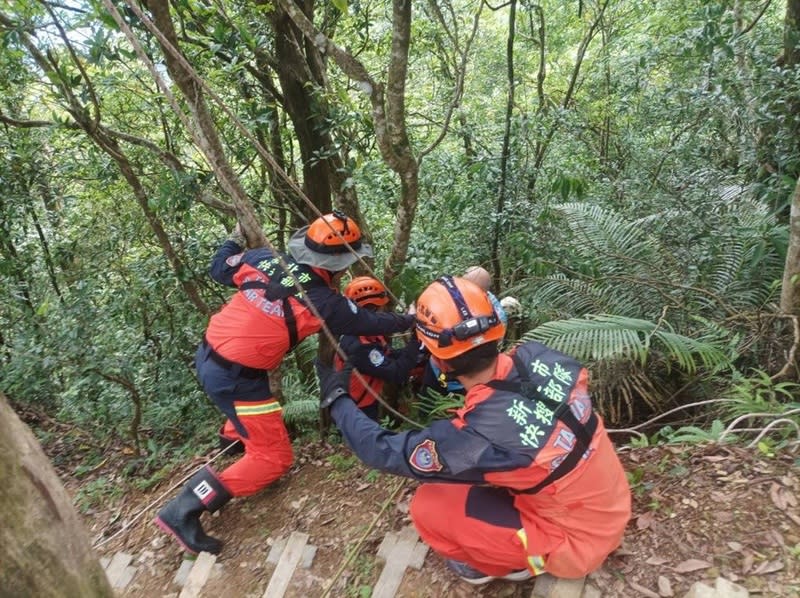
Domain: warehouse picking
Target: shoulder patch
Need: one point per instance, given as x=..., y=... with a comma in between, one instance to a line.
x=235, y=260
x=353, y=306
x=425, y=458
x=376, y=358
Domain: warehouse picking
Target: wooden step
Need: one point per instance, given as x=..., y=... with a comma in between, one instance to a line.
x=290, y=556
x=399, y=551
x=118, y=570
x=547, y=586
x=198, y=575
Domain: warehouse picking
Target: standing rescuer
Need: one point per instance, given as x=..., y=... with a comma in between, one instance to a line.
x=533, y=483
x=250, y=335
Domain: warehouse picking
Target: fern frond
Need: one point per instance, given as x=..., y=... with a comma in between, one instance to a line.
x=602, y=337
x=574, y=296
x=608, y=234
x=301, y=411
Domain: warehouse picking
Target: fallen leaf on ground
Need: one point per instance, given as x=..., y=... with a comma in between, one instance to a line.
x=644, y=590
x=656, y=560
x=691, y=565
x=768, y=567
x=646, y=520
x=664, y=587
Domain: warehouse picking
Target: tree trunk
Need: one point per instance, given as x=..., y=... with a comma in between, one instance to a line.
x=791, y=34
x=790, y=298
x=388, y=113
x=791, y=53
x=44, y=549
x=298, y=83
x=500, y=205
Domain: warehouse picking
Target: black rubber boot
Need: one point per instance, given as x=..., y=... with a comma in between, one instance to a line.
x=181, y=516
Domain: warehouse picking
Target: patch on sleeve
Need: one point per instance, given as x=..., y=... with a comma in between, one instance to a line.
x=235, y=260
x=353, y=306
x=376, y=357
x=425, y=458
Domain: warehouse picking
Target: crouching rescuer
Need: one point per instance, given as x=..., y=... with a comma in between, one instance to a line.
x=373, y=356
x=251, y=334
x=523, y=479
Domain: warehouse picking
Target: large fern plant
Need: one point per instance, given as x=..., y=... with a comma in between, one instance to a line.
x=633, y=358
x=656, y=305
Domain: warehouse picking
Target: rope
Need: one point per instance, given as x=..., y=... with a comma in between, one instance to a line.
x=357, y=548
x=730, y=429
x=263, y=152
x=161, y=497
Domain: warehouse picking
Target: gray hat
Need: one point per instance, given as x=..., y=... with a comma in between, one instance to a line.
x=333, y=259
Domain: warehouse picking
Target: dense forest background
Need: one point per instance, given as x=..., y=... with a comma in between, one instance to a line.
x=627, y=170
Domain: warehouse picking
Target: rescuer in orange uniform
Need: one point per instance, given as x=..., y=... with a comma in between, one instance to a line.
x=250, y=335
x=523, y=479
x=372, y=355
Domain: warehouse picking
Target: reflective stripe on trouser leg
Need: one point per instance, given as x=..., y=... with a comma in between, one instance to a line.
x=535, y=561
x=268, y=449
x=484, y=535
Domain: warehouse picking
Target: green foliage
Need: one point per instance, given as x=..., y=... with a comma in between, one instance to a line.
x=644, y=222
x=342, y=463
x=300, y=389
x=694, y=434
x=613, y=337
x=759, y=392
x=633, y=359
x=636, y=479
x=301, y=411
x=755, y=410
x=99, y=491
x=434, y=405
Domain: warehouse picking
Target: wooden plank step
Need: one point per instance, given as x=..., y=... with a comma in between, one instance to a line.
x=399, y=551
x=278, y=546
x=119, y=572
x=182, y=574
x=292, y=553
x=198, y=575
x=547, y=586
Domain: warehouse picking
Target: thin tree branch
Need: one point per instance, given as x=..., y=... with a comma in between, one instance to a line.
x=790, y=360
x=77, y=63
x=757, y=18
x=458, y=89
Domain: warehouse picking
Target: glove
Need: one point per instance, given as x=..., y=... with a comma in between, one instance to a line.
x=332, y=384
x=409, y=320
x=237, y=236
x=511, y=306
x=413, y=347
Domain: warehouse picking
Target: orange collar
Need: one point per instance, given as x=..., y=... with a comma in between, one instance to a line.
x=326, y=275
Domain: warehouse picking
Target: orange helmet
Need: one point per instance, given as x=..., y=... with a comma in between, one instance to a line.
x=455, y=315
x=324, y=243
x=365, y=290
x=322, y=235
